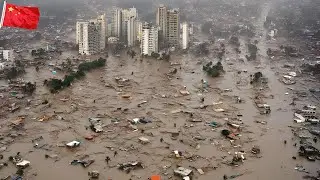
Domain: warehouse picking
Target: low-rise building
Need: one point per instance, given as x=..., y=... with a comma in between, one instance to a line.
x=8, y=55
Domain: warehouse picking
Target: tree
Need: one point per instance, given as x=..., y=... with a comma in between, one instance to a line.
x=68, y=80
x=213, y=70
x=18, y=63
x=234, y=41
x=131, y=53
x=41, y=51
x=29, y=88
x=57, y=84
x=33, y=52
x=256, y=77
x=155, y=55
x=253, y=49
x=166, y=57
x=201, y=49
x=13, y=72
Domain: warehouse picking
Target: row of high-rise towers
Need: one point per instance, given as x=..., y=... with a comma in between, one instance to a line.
x=126, y=26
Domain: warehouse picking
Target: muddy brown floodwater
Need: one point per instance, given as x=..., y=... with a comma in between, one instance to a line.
x=98, y=94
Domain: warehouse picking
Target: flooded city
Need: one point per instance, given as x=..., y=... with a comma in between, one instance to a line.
x=241, y=101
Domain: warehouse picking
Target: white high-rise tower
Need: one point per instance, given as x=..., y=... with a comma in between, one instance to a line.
x=185, y=35
x=149, y=42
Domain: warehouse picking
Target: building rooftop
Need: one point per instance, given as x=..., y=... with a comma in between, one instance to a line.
x=175, y=10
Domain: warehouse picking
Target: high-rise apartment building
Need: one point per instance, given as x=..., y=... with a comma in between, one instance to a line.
x=139, y=30
x=91, y=35
x=116, y=24
x=127, y=14
x=185, y=35
x=173, y=25
x=149, y=42
x=168, y=22
x=120, y=24
x=191, y=28
x=109, y=30
x=103, y=33
x=132, y=31
x=161, y=20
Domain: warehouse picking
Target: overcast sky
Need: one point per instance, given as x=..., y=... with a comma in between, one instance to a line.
x=1, y=6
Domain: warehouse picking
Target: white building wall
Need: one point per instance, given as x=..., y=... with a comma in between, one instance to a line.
x=139, y=30
x=149, y=43
x=126, y=15
x=173, y=31
x=102, y=20
x=89, y=37
x=79, y=31
x=145, y=41
x=132, y=34
x=8, y=55
x=2, y=65
x=116, y=22
x=185, y=35
x=155, y=39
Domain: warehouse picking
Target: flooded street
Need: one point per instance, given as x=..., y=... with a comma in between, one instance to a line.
x=147, y=91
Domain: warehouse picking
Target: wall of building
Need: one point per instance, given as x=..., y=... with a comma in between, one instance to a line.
x=91, y=35
x=150, y=37
x=173, y=31
x=120, y=24
x=132, y=34
x=185, y=35
x=161, y=20
x=8, y=55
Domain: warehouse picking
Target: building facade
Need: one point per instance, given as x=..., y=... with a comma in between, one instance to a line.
x=116, y=22
x=91, y=35
x=103, y=33
x=149, y=42
x=132, y=31
x=121, y=27
x=168, y=21
x=161, y=21
x=139, y=25
x=173, y=25
x=127, y=14
x=185, y=35
x=8, y=55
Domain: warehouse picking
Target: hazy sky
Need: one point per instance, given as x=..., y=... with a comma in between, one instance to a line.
x=1, y=6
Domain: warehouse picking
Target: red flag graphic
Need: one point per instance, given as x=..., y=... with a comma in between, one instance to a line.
x=25, y=17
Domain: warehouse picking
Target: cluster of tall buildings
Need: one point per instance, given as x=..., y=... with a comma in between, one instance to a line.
x=91, y=35
x=124, y=25
x=128, y=29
